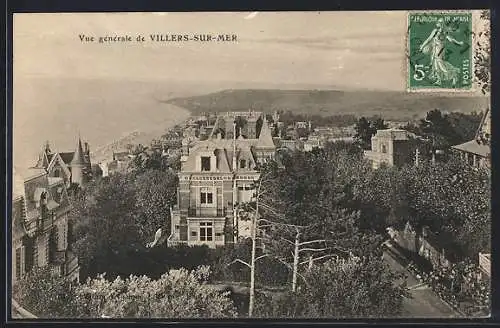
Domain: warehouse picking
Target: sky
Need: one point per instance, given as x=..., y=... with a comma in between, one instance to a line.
x=363, y=50
x=63, y=86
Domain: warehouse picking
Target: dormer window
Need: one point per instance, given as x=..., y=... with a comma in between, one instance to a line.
x=243, y=164
x=205, y=163
x=384, y=149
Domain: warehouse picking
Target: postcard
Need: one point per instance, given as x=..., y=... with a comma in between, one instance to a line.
x=180, y=165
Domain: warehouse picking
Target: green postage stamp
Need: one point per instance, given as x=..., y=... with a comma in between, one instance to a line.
x=440, y=51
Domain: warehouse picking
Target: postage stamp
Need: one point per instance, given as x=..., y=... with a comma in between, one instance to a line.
x=440, y=51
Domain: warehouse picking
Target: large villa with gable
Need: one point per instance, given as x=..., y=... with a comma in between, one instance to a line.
x=216, y=175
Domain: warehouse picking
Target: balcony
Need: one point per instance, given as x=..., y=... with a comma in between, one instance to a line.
x=207, y=212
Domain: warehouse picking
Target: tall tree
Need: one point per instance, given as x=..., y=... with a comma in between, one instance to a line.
x=364, y=132
x=155, y=193
x=103, y=218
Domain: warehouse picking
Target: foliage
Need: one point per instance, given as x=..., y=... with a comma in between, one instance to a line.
x=445, y=130
x=268, y=272
x=177, y=294
x=106, y=207
x=155, y=193
x=460, y=285
x=115, y=216
x=340, y=120
x=482, y=54
x=342, y=289
x=46, y=294
x=365, y=129
x=452, y=199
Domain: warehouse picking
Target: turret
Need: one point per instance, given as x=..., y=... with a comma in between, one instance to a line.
x=77, y=165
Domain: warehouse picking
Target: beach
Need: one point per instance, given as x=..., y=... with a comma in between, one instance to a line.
x=101, y=112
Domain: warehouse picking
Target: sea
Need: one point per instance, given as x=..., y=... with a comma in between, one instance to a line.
x=100, y=111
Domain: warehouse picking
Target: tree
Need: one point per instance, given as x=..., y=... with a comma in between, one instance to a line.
x=177, y=294
x=482, y=55
x=364, y=132
x=378, y=124
x=103, y=218
x=46, y=294
x=356, y=287
x=155, y=193
x=454, y=200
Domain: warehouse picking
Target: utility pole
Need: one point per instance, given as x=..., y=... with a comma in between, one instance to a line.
x=235, y=192
x=295, y=260
x=252, y=261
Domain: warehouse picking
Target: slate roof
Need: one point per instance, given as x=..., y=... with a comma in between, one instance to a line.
x=67, y=157
x=474, y=147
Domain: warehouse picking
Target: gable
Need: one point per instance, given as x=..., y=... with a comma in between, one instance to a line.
x=58, y=162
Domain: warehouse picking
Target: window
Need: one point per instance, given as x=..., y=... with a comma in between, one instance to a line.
x=206, y=197
x=243, y=164
x=218, y=236
x=384, y=150
x=205, y=163
x=176, y=227
x=206, y=231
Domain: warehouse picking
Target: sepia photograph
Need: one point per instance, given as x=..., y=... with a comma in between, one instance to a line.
x=245, y=165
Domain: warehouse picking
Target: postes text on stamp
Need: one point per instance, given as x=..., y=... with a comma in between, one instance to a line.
x=440, y=51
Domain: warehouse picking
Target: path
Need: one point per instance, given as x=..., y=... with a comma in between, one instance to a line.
x=424, y=302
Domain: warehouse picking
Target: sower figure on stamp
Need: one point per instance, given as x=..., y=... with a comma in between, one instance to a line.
x=434, y=45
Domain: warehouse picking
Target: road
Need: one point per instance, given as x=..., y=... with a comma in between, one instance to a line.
x=424, y=302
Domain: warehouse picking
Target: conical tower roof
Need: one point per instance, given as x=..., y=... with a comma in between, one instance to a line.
x=78, y=156
x=43, y=160
x=265, y=137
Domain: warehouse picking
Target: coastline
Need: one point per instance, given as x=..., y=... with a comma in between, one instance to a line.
x=135, y=137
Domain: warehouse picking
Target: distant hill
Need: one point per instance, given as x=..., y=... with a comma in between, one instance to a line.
x=392, y=105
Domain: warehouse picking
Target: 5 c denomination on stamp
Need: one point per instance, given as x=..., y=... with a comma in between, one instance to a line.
x=440, y=51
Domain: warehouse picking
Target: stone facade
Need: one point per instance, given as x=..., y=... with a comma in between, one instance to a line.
x=390, y=147
x=217, y=174
x=40, y=225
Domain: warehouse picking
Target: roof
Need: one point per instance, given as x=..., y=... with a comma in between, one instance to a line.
x=265, y=136
x=474, y=147
x=394, y=134
x=32, y=172
x=67, y=156
x=17, y=185
x=78, y=155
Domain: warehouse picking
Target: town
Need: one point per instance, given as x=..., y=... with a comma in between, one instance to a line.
x=258, y=214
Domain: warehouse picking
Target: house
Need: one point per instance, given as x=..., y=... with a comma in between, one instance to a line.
x=390, y=147
x=432, y=249
x=75, y=167
x=216, y=175
x=40, y=225
x=425, y=244
x=312, y=143
x=290, y=144
x=477, y=152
